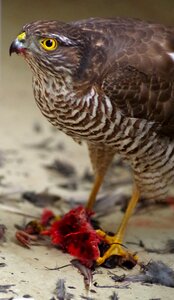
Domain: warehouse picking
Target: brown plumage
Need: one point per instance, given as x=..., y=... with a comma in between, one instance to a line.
x=109, y=82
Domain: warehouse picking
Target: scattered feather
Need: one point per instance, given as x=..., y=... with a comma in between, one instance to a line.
x=2, y=232
x=60, y=291
x=5, y=288
x=16, y=211
x=43, y=145
x=168, y=248
x=57, y=268
x=125, y=286
x=117, y=278
x=71, y=184
x=41, y=199
x=153, y=273
x=21, y=298
x=158, y=273
x=87, y=176
x=37, y=127
x=104, y=204
x=63, y=168
x=86, y=272
x=2, y=160
x=114, y=296
x=2, y=265
x=87, y=298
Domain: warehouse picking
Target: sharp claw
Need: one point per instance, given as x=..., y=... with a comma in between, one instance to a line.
x=116, y=250
x=24, y=238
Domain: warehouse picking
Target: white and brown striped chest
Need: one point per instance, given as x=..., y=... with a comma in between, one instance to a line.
x=77, y=116
x=92, y=117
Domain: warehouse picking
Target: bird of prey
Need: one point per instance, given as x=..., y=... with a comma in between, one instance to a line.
x=110, y=83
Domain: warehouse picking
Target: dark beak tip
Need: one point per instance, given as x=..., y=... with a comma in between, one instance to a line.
x=12, y=48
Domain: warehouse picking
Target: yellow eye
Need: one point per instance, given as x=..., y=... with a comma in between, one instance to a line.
x=49, y=44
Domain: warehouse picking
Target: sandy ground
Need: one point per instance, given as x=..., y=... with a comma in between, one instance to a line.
x=28, y=144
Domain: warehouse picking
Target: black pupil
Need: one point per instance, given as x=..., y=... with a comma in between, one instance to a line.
x=49, y=43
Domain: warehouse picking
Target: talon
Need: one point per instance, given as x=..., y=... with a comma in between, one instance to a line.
x=108, y=238
x=25, y=238
x=123, y=257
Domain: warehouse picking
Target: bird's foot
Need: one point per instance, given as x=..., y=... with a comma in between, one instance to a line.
x=115, y=255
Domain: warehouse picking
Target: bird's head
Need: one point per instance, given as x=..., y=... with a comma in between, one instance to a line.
x=56, y=47
x=50, y=46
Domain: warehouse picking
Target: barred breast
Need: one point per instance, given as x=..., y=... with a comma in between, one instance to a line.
x=94, y=118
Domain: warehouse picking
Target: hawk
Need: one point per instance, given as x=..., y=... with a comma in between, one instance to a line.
x=110, y=83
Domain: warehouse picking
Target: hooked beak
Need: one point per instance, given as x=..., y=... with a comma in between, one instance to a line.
x=18, y=45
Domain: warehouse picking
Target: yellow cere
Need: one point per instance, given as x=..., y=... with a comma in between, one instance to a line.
x=49, y=44
x=21, y=36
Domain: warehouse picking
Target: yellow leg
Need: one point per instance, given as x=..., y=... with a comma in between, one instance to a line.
x=116, y=240
x=92, y=197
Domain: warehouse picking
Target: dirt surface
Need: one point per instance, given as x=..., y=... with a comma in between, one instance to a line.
x=29, y=146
